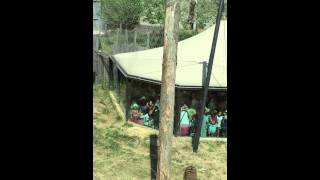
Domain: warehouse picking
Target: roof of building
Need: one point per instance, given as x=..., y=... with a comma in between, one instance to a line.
x=147, y=64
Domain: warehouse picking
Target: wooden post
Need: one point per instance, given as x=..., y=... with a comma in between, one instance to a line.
x=135, y=39
x=128, y=98
x=169, y=65
x=194, y=27
x=116, y=50
x=99, y=71
x=126, y=40
x=148, y=40
x=118, y=86
x=119, y=31
x=115, y=77
x=103, y=74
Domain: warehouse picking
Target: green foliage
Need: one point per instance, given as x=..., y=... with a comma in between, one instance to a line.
x=129, y=12
x=125, y=12
x=154, y=11
x=184, y=34
x=156, y=38
x=206, y=12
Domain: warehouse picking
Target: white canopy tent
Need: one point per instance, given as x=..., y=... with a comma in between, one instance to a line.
x=147, y=64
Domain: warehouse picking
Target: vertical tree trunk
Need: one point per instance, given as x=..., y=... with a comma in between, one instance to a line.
x=192, y=14
x=168, y=89
x=119, y=40
x=117, y=46
x=126, y=40
x=194, y=22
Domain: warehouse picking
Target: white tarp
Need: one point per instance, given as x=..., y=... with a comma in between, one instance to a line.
x=191, y=52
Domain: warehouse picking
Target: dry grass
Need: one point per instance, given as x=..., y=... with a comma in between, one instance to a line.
x=122, y=150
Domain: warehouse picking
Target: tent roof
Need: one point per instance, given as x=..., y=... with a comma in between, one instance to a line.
x=192, y=52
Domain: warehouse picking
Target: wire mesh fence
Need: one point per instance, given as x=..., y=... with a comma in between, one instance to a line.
x=124, y=40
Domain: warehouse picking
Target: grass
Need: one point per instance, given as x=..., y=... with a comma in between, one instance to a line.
x=122, y=150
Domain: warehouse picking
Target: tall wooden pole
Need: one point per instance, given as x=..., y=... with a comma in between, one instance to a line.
x=167, y=98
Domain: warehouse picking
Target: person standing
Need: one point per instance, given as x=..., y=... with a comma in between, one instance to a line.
x=219, y=122
x=184, y=121
x=205, y=121
x=212, y=126
x=224, y=124
x=143, y=106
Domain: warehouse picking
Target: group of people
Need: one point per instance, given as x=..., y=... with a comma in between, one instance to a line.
x=214, y=122
x=145, y=112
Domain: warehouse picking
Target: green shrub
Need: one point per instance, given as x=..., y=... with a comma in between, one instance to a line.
x=185, y=34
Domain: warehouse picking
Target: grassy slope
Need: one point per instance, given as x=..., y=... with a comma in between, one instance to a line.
x=121, y=151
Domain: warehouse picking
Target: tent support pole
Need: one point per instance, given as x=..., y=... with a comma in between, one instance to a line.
x=206, y=85
x=128, y=98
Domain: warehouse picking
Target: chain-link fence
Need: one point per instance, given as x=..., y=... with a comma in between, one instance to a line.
x=124, y=40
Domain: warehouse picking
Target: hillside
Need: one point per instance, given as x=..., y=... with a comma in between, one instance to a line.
x=122, y=150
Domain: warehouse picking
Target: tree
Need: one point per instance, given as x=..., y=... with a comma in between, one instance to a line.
x=192, y=14
x=206, y=12
x=122, y=12
x=201, y=12
x=169, y=65
x=154, y=11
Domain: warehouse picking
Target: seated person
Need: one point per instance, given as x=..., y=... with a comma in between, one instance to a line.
x=134, y=112
x=150, y=107
x=143, y=106
x=212, y=126
x=145, y=113
x=147, y=120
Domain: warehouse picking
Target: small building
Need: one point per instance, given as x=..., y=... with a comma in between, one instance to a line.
x=135, y=74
